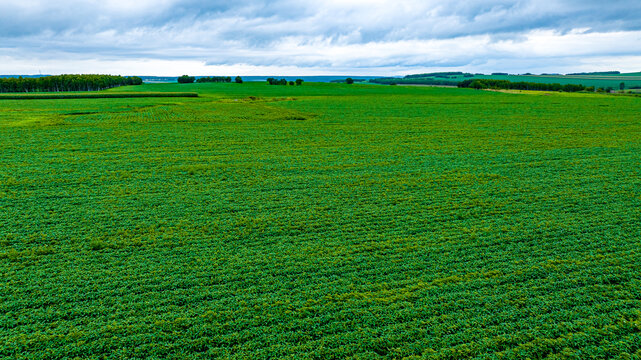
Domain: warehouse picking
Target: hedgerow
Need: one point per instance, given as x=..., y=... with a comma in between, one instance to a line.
x=104, y=95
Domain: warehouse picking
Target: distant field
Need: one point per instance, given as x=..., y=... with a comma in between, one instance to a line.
x=604, y=81
x=590, y=80
x=321, y=221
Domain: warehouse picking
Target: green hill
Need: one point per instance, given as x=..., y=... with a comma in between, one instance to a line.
x=630, y=80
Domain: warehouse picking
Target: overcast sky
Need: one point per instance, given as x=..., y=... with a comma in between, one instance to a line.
x=299, y=37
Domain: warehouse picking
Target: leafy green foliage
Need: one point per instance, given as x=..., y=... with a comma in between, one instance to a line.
x=186, y=79
x=324, y=221
x=66, y=83
x=273, y=81
x=216, y=79
x=504, y=84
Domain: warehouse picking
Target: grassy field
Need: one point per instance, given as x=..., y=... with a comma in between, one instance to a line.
x=599, y=81
x=321, y=221
x=603, y=81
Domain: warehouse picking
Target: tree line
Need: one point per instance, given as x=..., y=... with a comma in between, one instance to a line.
x=348, y=80
x=597, y=73
x=186, y=79
x=59, y=83
x=273, y=81
x=413, y=81
x=444, y=75
x=521, y=85
x=214, y=79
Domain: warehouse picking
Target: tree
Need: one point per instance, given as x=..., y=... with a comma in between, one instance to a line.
x=521, y=85
x=273, y=81
x=477, y=84
x=214, y=79
x=186, y=79
x=622, y=86
x=299, y=82
x=66, y=83
x=349, y=81
x=292, y=83
x=238, y=80
x=133, y=80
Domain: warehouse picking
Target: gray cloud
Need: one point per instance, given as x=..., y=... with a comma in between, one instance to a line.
x=316, y=34
x=379, y=20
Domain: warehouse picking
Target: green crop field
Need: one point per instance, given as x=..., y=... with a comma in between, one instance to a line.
x=322, y=221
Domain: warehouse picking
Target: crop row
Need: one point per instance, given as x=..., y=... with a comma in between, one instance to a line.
x=389, y=223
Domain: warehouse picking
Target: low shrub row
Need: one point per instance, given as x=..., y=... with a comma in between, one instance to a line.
x=106, y=95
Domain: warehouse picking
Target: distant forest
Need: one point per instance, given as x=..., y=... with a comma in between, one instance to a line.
x=521, y=85
x=66, y=83
x=444, y=75
x=437, y=78
x=598, y=73
x=469, y=80
x=413, y=81
x=215, y=79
